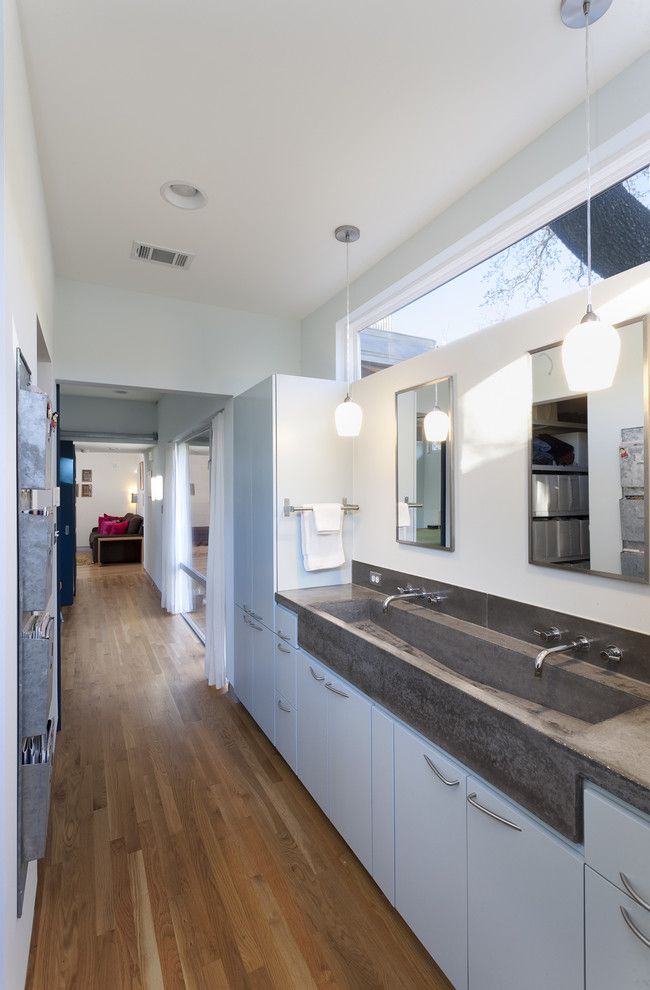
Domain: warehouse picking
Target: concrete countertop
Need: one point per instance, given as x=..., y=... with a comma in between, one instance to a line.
x=537, y=756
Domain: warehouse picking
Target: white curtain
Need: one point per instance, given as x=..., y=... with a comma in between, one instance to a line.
x=177, y=530
x=215, y=614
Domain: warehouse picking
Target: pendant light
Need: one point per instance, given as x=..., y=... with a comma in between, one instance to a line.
x=348, y=415
x=591, y=349
x=436, y=422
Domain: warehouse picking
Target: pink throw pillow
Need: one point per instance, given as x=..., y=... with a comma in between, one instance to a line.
x=103, y=526
x=119, y=528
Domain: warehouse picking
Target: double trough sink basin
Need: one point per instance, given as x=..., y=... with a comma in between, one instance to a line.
x=488, y=658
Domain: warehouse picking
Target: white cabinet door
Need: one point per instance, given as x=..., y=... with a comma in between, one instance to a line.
x=383, y=804
x=525, y=900
x=261, y=421
x=264, y=678
x=617, y=957
x=349, y=767
x=431, y=853
x=285, y=730
x=285, y=671
x=312, y=728
x=242, y=495
x=243, y=659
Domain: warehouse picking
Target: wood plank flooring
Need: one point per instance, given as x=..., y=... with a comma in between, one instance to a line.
x=182, y=851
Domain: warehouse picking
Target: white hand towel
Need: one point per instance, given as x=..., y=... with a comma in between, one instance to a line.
x=328, y=517
x=403, y=515
x=320, y=551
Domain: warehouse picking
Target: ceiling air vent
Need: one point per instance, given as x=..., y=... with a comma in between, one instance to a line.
x=161, y=256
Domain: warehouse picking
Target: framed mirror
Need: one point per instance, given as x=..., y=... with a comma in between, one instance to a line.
x=425, y=465
x=588, y=455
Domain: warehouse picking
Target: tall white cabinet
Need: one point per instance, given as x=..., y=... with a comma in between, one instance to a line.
x=285, y=446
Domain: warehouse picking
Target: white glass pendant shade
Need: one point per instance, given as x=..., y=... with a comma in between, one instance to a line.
x=436, y=425
x=590, y=354
x=348, y=416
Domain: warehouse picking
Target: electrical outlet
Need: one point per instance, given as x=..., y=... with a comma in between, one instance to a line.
x=375, y=577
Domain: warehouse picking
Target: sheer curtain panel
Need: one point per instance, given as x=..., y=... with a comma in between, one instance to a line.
x=215, y=630
x=176, y=530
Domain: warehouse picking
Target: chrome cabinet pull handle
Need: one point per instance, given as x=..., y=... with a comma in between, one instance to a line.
x=284, y=636
x=283, y=707
x=471, y=798
x=283, y=648
x=317, y=677
x=330, y=687
x=247, y=620
x=632, y=892
x=255, y=626
x=257, y=616
x=441, y=777
x=635, y=931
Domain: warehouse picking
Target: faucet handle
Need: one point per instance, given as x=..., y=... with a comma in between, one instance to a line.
x=548, y=635
x=611, y=653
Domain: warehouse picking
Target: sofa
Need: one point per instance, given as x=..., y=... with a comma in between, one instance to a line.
x=115, y=549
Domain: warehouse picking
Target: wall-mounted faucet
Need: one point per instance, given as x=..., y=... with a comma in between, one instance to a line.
x=579, y=643
x=432, y=597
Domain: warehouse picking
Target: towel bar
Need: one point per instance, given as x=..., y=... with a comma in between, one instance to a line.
x=289, y=508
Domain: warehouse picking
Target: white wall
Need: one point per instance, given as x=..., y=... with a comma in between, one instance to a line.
x=115, y=477
x=313, y=464
x=92, y=414
x=113, y=336
x=619, y=116
x=493, y=397
x=27, y=292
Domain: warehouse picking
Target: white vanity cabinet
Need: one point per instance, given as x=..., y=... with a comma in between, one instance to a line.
x=263, y=658
x=616, y=955
x=334, y=752
x=312, y=728
x=617, y=894
x=243, y=660
x=349, y=766
x=525, y=900
x=431, y=852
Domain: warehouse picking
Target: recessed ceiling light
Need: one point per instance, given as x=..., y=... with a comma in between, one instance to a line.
x=183, y=195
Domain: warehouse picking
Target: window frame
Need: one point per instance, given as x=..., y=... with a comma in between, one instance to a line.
x=538, y=208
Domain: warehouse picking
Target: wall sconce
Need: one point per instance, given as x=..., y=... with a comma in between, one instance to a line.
x=156, y=488
x=134, y=498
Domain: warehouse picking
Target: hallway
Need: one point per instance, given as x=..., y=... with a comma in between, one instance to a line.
x=182, y=851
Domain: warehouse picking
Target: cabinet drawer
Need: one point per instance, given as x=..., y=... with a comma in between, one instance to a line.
x=285, y=671
x=285, y=730
x=617, y=844
x=615, y=955
x=286, y=625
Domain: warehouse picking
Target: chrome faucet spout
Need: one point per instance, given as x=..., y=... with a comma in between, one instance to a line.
x=403, y=594
x=579, y=643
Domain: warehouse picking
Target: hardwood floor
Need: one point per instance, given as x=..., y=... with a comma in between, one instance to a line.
x=182, y=851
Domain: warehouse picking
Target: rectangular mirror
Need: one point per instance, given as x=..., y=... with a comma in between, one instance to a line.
x=588, y=505
x=424, y=465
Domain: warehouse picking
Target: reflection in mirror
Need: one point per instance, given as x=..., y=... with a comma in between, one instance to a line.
x=588, y=507
x=424, y=465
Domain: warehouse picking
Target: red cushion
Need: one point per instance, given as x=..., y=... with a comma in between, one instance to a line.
x=103, y=525
x=118, y=528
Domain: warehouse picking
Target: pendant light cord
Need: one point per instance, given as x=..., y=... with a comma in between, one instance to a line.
x=586, y=8
x=347, y=312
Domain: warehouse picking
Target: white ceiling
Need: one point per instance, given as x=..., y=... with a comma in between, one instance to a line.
x=293, y=117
